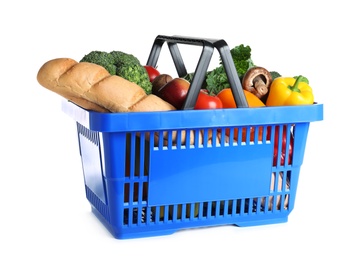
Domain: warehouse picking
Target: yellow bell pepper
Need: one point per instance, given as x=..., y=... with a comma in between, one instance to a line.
x=286, y=91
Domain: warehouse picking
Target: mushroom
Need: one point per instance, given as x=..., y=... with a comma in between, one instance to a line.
x=257, y=80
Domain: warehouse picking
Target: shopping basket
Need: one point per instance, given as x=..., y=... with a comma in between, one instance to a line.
x=154, y=173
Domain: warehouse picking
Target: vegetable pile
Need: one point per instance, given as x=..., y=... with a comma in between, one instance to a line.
x=261, y=86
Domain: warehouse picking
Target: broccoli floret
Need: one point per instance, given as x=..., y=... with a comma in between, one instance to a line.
x=242, y=53
x=122, y=64
x=101, y=58
x=135, y=73
x=217, y=79
x=122, y=57
x=129, y=67
x=241, y=56
x=274, y=74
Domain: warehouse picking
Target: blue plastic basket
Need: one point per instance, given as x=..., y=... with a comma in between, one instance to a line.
x=153, y=173
x=141, y=182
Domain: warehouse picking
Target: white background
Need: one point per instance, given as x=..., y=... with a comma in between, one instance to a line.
x=44, y=213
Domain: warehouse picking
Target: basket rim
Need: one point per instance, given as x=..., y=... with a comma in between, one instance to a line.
x=189, y=119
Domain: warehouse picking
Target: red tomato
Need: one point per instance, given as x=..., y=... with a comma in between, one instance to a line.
x=206, y=101
x=152, y=72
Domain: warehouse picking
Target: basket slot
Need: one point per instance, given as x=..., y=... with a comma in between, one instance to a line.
x=283, y=136
x=136, y=181
x=280, y=190
x=209, y=211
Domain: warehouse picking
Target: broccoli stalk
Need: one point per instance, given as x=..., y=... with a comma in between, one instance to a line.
x=122, y=64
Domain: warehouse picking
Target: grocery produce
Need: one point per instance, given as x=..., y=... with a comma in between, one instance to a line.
x=175, y=92
x=217, y=79
x=91, y=85
x=257, y=80
x=48, y=77
x=274, y=74
x=152, y=72
x=227, y=98
x=159, y=82
x=285, y=91
x=207, y=101
x=121, y=64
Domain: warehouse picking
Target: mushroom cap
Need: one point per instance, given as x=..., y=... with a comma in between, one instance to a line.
x=252, y=76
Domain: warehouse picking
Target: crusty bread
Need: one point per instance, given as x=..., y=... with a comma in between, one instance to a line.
x=116, y=94
x=84, y=103
x=92, y=87
x=49, y=74
x=151, y=103
x=81, y=77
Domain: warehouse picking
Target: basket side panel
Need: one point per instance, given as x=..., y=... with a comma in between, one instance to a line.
x=209, y=173
x=91, y=161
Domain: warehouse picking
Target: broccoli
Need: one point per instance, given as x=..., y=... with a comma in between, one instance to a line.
x=135, y=73
x=241, y=56
x=217, y=79
x=274, y=74
x=122, y=64
x=122, y=57
x=101, y=58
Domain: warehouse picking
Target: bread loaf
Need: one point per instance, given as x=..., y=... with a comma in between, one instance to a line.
x=49, y=74
x=116, y=94
x=92, y=87
x=81, y=77
x=151, y=103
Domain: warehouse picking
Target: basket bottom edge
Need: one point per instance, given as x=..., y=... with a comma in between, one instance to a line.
x=160, y=230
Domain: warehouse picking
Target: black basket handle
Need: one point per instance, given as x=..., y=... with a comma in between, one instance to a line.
x=208, y=46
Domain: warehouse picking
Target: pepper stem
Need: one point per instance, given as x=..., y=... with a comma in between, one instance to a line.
x=295, y=87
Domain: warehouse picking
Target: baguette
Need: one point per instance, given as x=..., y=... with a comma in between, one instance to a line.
x=92, y=87
x=49, y=74
x=151, y=103
x=116, y=94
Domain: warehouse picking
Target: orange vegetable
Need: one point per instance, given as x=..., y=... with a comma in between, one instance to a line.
x=226, y=96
